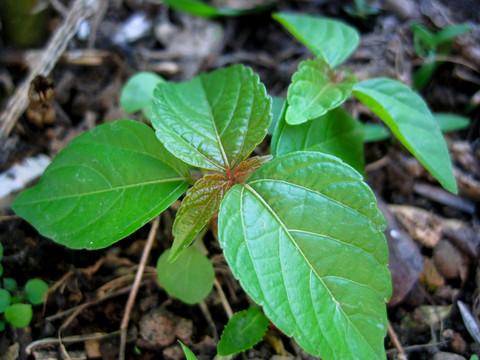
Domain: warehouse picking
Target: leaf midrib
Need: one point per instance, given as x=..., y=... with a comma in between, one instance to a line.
x=110, y=189
x=283, y=226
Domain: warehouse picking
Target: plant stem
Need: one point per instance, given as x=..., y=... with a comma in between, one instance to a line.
x=136, y=286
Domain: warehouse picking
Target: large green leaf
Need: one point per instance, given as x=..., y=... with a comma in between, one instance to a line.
x=411, y=121
x=215, y=120
x=189, y=278
x=103, y=186
x=244, y=330
x=332, y=40
x=315, y=90
x=137, y=93
x=335, y=133
x=305, y=239
x=198, y=207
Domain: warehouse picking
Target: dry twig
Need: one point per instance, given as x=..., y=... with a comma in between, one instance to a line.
x=80, y=10
x=136, y=286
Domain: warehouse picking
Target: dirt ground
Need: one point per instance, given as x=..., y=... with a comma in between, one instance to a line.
x=433, y=236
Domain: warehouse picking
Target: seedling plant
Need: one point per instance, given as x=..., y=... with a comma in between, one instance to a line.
x=300, y=228
x=16, y=305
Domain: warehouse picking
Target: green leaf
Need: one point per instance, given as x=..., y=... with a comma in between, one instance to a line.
x=199, y=8
x=36, y=291
x=315, y=90
x=189, y=278
x=189, y=355
x=411, y=121
x=1, y=251
x=451, y=122
x=331, y=40
x=215, y=120
x=19, y=315
x=277, y=107
x=244, y=330
x=1, y=270
x=2, y=325
x=422, y=76
x=423, y=40
x=5, y=300
x=449, y=33
x=197, y=209
x=137, y=93
x=10, y=284
x=305, y=239
x=375, y=132
x=335, y=133
x=103, y=186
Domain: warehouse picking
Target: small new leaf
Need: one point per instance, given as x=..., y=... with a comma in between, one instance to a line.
x=316, y=89
x=5, y=300
x=305, y=239
x=412, y=123
x=329, y=39
x=103, y=186
x=244, y=330
x=137, y=93
x=335, y=133
x=215, y=120
x=189, y=278
x=189, y=355
x=36, y=291
x=197, y=209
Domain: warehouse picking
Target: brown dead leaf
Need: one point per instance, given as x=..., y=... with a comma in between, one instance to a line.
x=449, y=261
x=430, y=275
x=422, y=225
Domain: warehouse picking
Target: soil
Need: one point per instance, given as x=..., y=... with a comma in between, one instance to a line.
x=433, y=236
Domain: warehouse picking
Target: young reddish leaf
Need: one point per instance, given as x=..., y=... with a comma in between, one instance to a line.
x=412, y=123
x=215, y=120
x=305, y=239
x=103, y=186
x=244, y=330
x=329, y=39
x=315, y=90
x=198, y=207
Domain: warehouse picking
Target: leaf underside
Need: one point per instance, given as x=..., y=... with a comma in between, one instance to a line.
x=215, y=120
x=197, y=209
x=305, y=239
x=314, y=91
x=189, y=278
x=331, y=40
x=103, y=186
x=335, y=133
x=243, y=331
x=412, y=123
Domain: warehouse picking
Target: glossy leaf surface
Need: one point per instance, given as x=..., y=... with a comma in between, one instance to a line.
x=189, y=278
x=331, y=40
x=103, y=186
x=411, y=121
x=305, y=239
x=198, y=207
x=137, y=93
x=315, y=90
x=335, y=133
x=243, y=331
x=215, y=120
